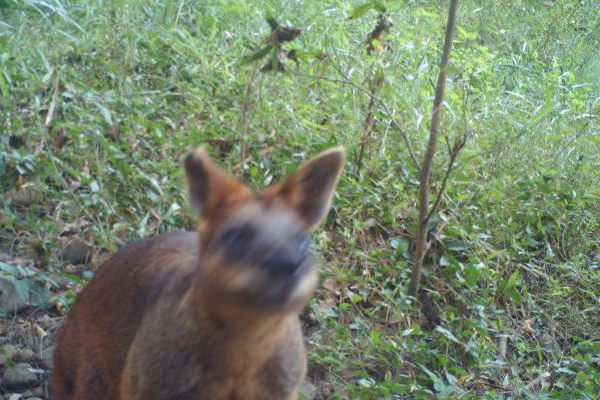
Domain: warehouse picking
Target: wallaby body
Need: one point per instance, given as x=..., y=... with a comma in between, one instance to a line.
x=202, y=315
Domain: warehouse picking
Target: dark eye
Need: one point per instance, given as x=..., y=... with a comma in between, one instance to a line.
x=234, y=236
x=303, y=244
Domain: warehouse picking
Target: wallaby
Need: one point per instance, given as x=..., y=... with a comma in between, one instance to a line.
x=204, y=315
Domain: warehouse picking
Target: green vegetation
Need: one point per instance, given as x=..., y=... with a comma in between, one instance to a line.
x=511, y=304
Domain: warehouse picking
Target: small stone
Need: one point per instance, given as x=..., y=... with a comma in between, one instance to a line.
x=10, y=298
x=23, y=355
x=23, y=196
x=7, y=352
x=19, y=377
x=77, y=252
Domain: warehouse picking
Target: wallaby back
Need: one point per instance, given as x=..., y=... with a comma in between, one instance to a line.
x=201, y=315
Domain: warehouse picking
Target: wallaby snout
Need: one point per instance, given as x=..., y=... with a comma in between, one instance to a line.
x=261, y=256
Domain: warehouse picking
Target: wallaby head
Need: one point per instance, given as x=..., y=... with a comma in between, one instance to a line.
x=255, y=248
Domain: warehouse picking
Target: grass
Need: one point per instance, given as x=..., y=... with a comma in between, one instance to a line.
x=136, y=83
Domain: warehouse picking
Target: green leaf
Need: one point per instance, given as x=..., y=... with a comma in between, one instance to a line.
x=512, y=281
x=400, y=245
x=547, y=108
x=407, y=332
x=4, y=86
x=457, y=245
x=22, y=288
x=275, y=59
x=362, y=9
x=11, y=269
x=514, y=295
x=94, y=187
x=379, y=6
x=472, y=276
x=72, y=277
x=447, y=334
x=40, y=295
x=257, y=55
x=105, y=113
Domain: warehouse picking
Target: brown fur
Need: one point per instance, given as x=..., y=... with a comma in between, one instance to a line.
x=162, y=319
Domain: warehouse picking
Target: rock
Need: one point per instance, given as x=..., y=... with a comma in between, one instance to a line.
x=23, y=355
x=77, y=252
x=35, y=393
x=549, y=343
x=32, y=341
x=8, y=352
x=309, y=390
x=47, y=357
x=11, y=299
x=19, y=377
x=23, y=196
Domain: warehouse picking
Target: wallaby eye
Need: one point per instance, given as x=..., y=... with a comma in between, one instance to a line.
x=234, y=236
x=303, y=244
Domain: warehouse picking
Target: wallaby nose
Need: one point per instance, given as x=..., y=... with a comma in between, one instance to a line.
x=284, y=262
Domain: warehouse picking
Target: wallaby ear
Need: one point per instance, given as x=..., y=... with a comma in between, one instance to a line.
x=310, y=189
x=211, y=188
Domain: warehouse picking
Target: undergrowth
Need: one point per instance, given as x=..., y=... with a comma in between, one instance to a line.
x=512, y=280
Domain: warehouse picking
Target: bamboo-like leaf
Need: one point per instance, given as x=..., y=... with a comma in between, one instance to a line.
x=275, y=60
x=257, y=55
x=360, y=10
x=379, y=6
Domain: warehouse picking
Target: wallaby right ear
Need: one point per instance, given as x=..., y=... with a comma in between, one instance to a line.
x=309, y=190
x=211, y=188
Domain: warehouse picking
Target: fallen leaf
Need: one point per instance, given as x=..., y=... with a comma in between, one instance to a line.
x=527, y=327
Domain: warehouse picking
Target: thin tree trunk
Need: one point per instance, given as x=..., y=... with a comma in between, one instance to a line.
x=422, y=245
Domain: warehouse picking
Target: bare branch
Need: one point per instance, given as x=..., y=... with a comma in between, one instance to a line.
x=458, y=146
x=381, y=103
x=52, y=107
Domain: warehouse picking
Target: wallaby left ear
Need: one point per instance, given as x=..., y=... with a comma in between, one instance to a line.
x=211, y=188
x=310, y=189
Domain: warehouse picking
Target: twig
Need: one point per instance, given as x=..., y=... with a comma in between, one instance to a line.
x=49, y=117
x=387, y=111
x=540, y=379
x=245, y=110
x=453, y=155
x=369, y=123
x=52, y=107
x=424, y=212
